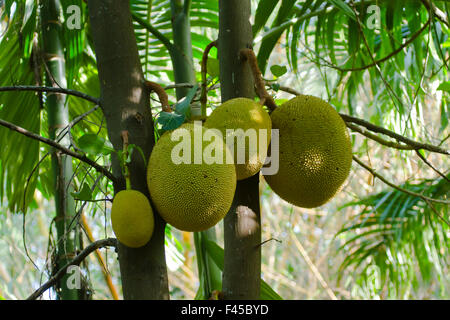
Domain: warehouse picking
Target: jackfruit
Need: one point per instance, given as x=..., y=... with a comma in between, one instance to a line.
x=245, y=114
x=315, y=153
x=132, y=218
x=190, y=182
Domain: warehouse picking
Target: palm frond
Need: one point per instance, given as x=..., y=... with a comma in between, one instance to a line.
x=400, y=235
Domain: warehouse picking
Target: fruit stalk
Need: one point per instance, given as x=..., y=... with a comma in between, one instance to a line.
x=126, y=170
x=266, y=99
x=204, y=96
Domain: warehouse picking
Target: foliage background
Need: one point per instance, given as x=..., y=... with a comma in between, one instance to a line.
x=394, y=246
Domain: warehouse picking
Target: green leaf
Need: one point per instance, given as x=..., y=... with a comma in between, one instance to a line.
x=131, y=147
x=344, y=8
x=94, y=145
x=444, y=86
x=84, y=194
x=183, y=106
x=217, y=254
x=275, y=86
x=212, y=67
x=170, y=121
x=263, y=12
x=282, y=21
x=277, y=70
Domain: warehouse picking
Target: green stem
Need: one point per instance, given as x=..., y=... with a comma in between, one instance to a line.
x=58, y=118
x=182, y=58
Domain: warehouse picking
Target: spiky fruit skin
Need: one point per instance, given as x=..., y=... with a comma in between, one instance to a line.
x=243, y=113
x=190, y=196
x=132, y=218
x=315, y=152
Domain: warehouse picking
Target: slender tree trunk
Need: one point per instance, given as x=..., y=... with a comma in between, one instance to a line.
x=184, y=71
x=58, y=119
x=183, y=65
x=126, y=106
x=242, y=265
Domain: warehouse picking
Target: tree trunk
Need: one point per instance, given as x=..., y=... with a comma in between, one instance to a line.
x=184, y=71
x=126, y=106
x=183, y=65
x=58, y=119
x=242, y=265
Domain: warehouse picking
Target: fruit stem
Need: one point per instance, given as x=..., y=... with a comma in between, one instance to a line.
x=266, y=98
x=162, y=95
x=126, y=171
x=204, y=96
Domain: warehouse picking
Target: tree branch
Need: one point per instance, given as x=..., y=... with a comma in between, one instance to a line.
x=61, y=148
x=52, y=89
x=431, y=166
x=374, y=137
x=100, y=259
x=390, y=55
x=109, y=242
x=413, y=145
x=436, y=11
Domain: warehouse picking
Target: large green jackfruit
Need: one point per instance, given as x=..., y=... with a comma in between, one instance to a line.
x=315, y=153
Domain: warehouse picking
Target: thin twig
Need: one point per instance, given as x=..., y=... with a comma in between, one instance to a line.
x=436, y=11
x=268, y=240
x=179, y=85
x=100, y=259
x=393, y=185
x=313, y=267
x=109, y=242
x=436, y=212
x=61, y=148
x=390, y=144
x=52, y=89
x=431, y=166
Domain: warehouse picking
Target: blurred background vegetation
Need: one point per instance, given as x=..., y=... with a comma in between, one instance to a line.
x=370, y=242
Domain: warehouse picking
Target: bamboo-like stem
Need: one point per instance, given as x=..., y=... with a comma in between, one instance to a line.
x=58, y=118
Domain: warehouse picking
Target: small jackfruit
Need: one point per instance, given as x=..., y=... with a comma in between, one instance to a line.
x=237, y=116
x=190, y=181
x=132, y=218
x=315, y=152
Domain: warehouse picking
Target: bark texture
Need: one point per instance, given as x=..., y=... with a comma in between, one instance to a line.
x=242, y=265
x=126, y=106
